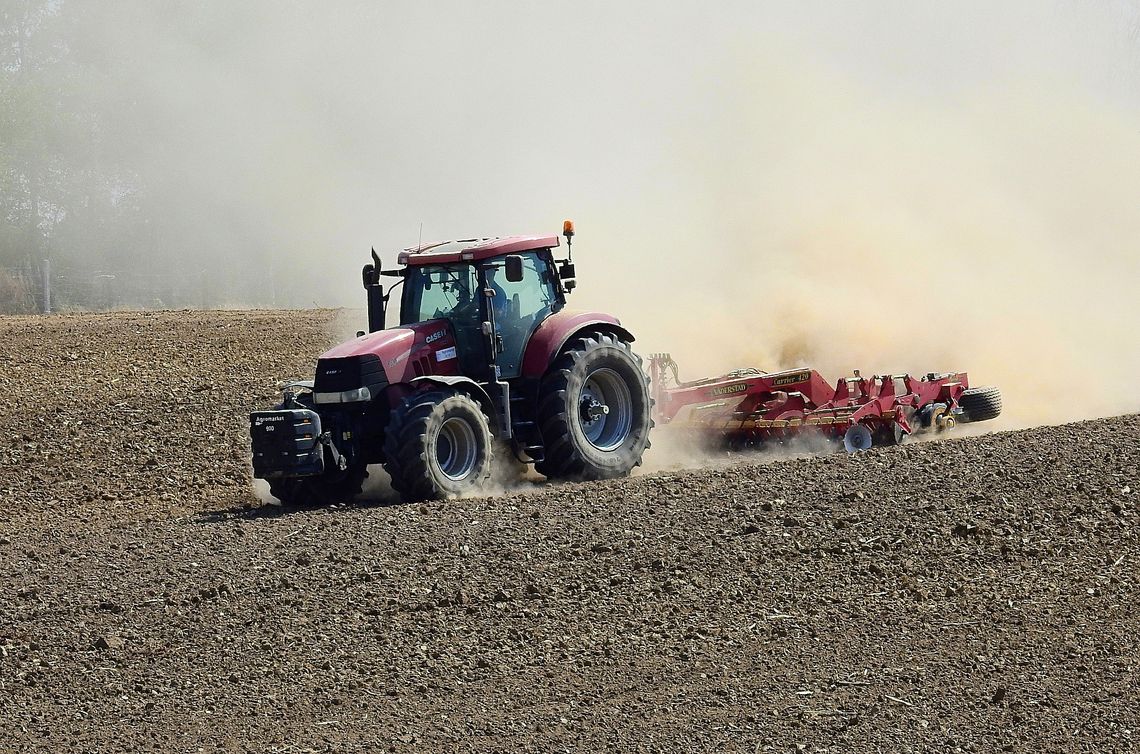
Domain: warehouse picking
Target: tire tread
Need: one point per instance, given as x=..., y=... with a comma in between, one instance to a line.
x=405, y=454
x=561, y=459
x=980, y=403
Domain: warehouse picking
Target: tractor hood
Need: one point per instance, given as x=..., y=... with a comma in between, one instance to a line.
x=384, y=343
x=359, y=369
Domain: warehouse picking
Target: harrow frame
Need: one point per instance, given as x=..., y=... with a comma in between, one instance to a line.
x=750, y=407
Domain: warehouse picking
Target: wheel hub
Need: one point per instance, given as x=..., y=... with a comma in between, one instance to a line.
x=592, y=409
x=605, y=409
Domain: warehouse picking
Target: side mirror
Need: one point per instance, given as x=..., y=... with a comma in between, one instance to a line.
x=514, y=268
x=566, y=271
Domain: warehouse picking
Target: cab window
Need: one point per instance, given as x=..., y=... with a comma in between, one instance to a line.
x=440, y=291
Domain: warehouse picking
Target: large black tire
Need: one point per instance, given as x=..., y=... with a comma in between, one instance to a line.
x=334, y=486
x=580, y=441
x=979, y=404
x=438, y=446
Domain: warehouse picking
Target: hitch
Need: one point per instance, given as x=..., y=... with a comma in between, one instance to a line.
x=325, y=438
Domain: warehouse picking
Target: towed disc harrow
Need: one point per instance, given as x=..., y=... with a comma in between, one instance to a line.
x=748, y=407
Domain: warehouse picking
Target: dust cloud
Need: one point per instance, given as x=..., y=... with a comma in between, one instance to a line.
x=886, y=186
x=987, y=222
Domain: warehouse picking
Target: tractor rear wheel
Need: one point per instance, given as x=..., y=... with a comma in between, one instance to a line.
x=594, y=410
x=438, y=446
x=979, y=404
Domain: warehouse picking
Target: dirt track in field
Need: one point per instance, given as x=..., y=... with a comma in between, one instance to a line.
x=977, y=594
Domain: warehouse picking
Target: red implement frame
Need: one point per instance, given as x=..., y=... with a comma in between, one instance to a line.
x=749, y=406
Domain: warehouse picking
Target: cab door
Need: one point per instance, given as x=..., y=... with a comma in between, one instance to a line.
x=520, y=307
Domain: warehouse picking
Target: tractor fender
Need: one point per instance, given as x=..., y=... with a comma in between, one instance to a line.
x=556, y=330
x=465, y=384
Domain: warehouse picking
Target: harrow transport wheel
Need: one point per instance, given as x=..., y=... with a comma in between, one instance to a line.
x=330, y=487
x=980, y=403
x=594, y=411
x=438, y=446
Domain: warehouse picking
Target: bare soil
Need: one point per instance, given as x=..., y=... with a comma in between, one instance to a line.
x=977, y=594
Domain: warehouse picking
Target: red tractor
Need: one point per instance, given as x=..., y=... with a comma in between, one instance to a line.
x=487, y=367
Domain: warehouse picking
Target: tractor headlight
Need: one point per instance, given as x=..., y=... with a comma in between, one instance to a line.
x=348, y=396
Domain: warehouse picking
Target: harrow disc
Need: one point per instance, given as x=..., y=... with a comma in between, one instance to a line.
x=857, y=438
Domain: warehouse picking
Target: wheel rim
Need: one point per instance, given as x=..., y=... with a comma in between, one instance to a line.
x=605, y=409
x=455, y=449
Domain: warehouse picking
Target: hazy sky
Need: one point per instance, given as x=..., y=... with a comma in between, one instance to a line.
x=332, y=126
x=855, y=184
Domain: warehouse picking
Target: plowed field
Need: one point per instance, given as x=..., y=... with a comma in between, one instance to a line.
x=975, y=594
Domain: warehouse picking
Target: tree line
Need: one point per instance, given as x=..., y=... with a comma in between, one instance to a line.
x=95, y=198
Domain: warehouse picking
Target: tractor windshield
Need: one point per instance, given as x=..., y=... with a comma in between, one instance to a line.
x=441, y=291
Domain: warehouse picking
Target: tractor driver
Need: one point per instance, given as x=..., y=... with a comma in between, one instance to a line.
x=466, y=310
x=462, y=311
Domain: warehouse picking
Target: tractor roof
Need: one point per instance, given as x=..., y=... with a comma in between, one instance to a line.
x=473, y=249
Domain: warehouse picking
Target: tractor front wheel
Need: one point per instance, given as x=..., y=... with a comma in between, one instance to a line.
x=438, y=446
x=594, y=411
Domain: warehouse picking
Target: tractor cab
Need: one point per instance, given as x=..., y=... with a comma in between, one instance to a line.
x=493, y=293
